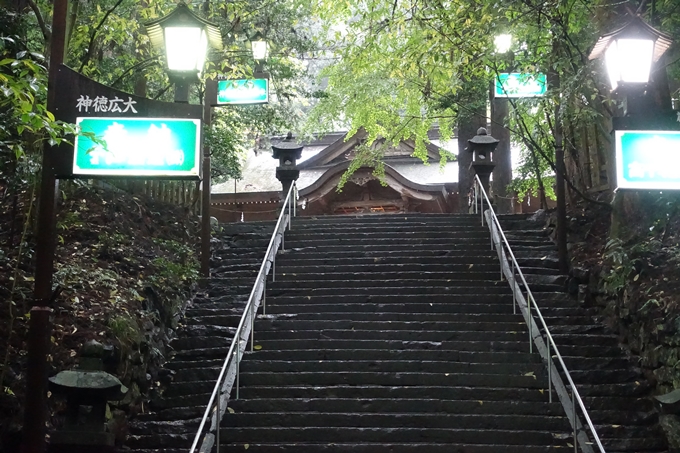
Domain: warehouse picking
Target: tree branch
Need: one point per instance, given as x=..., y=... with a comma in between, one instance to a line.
x=47, y=35
x=94, y=34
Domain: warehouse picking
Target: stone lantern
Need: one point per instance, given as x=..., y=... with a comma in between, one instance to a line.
x=87, y=391
x=482, y=146
x=287, y=151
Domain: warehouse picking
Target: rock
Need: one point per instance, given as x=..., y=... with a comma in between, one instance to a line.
x=671, y=426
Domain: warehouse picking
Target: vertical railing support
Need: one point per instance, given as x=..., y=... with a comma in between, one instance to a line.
x=252, y=326
x=573, y=408
x=217, y=427
x=238, y=365
x=549, y=370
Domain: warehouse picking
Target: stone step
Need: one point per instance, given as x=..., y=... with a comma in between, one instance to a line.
x=389, y=435
x=293, y=420
x=398, y=354
x=393, y=366
x=390, y=447
x=293, y=324
x=419, y=316
x=519, y=380
x=393, y=254
x=388, y=334
x=379, y=265
x=397, y=392
x=402, y=405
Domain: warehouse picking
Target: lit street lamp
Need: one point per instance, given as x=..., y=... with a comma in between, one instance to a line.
x=630, y=51
x=184, y=37
x=259, y=47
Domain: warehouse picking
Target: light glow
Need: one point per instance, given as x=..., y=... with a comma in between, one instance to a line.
x=629, y=61
x=185, y=48
x=259, y=49
x=503, y=43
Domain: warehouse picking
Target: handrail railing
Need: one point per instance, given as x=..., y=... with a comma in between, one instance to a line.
x=509, y=268
x=230, y=371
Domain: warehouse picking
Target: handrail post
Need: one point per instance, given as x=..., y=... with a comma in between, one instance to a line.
x=217, y=423
x=514, y=288
x=549, y=371
x=264, y=295
x=531, y=323
x=252, y=326
x=238, y=365
x=573, y=408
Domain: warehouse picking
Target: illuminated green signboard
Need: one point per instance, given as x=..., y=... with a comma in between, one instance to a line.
x=516, y=85
x=648, y=160
x=251, y=91
x=161, y=147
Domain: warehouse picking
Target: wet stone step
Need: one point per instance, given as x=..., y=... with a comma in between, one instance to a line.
x=404, y=315
x=485, y=346
x=395, y=355
x=399, y=420
x=394, y=366
x=403, y=405
x=387, y=435
x=265, y=324
x=392, y=379
x=356, y=447
x=385, y=334
x=397, y=392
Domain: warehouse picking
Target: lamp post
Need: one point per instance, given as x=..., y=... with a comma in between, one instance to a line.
x=39, y=329
x=500, y=106
x=185, y=37
x=259, y=47
x=629, y=53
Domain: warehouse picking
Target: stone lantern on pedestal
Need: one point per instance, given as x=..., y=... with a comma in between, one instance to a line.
x=287, y=151
x=482, y=146
x=87, y=391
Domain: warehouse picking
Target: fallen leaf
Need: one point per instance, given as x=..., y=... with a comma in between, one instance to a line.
x=257, y=347
x=616, y=426
x=530, y=373
x=636, y=277
x=480, y=402
x=231, y=411
x=470, y=266
x=542, y=391
x=246, y=446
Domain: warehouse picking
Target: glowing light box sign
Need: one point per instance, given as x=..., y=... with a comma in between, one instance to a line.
x=516, y=85
x=137, y=147
x=250, y=91
x=648, y=159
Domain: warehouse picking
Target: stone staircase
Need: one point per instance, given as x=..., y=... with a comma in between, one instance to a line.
x=614, y=389
x=203, y=341
x=391, y=334
x=394, y=334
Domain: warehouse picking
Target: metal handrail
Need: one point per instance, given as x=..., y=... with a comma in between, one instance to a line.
x=230, y=368
x=518, y=298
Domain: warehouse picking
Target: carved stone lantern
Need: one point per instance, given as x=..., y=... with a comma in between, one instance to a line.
x=482, y=146
x=87, y=391
x=287, y=151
